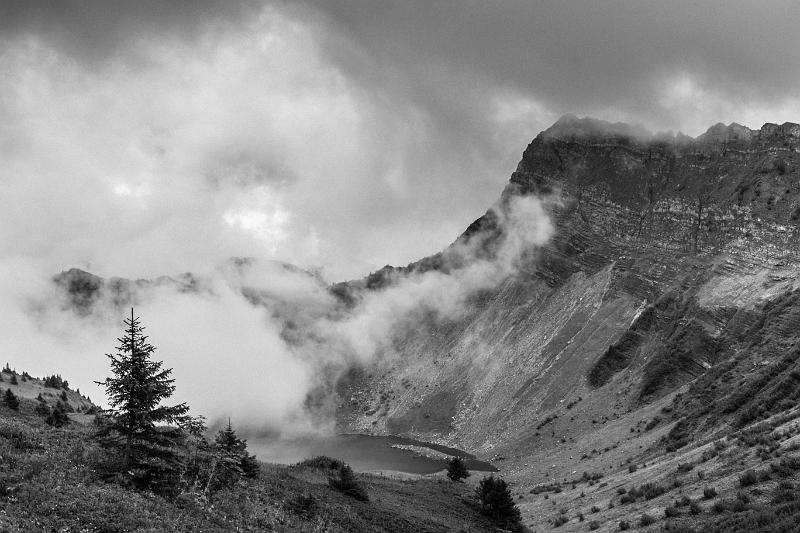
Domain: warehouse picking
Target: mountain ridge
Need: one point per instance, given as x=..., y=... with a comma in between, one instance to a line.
x=660, y=320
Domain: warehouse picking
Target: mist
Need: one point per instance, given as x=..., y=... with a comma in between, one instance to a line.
x=254, y=340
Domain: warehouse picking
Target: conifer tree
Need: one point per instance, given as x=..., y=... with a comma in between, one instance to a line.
x=498, y=503
x=42, y=408
x=58, y=416
x=229, y=443
x=11, y=400
x=457, y=469
x=14, y=379
x=135, y=392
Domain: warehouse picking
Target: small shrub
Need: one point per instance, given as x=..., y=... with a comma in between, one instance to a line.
x=560, y=520
x=748, y=478
x=624, y=525
x=709, y=493
x=593, y=525
x=632, y=469
x=652, y=490
x=304, y=505
x=695, y=508
x=646, y=520
x=345, y=482
x=322, y=462
x=653, y=423
x=720, y=506
x=671, y=512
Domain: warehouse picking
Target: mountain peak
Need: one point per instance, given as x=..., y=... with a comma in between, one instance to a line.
x=721, y=133
x=571, y=127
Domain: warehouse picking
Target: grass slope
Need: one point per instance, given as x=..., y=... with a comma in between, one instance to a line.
x=48, y=483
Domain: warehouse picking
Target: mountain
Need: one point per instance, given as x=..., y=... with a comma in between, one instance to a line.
x=639, y=368
x=662, y=317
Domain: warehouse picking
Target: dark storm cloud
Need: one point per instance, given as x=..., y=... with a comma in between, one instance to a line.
x=584, y=56
x=96, y=30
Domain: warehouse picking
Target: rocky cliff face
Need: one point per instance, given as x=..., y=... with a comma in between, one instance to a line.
x=667, y=248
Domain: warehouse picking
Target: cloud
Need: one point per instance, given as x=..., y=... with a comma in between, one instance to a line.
x=262, y=342
x=228, y=136
x=602, y=59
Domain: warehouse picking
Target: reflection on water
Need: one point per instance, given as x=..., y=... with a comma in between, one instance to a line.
x=364, y=453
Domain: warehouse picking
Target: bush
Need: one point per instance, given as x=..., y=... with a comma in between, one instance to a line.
x=345, y=482
x=560, y=520
x=695, y=508
x=457, y=469
x=58, y=416
x=748, y=478
x=709, y=493
x=624, y=525
x=304, y=505
x=593, y=525
x=322, y=462
x=671, y=512
x=653, y=423
x=646, y=520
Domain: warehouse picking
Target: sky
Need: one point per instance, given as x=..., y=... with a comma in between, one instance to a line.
x=144, y=138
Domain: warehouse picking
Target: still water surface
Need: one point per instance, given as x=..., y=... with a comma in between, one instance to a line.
x=364, y=453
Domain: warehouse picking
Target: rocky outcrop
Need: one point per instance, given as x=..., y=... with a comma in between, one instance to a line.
x=662, y=243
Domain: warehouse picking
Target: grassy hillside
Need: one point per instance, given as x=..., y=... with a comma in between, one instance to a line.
x=49, y=481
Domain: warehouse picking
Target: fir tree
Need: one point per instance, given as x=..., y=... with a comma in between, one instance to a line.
x=135, y=392
x=58, y=416
x=42, y=408
x=498, y=504
x=457, y=469
x=11, y=400
x=14, y=379
x=229, y=443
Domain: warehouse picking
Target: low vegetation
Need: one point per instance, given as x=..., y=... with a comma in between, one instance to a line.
x=127, y=470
